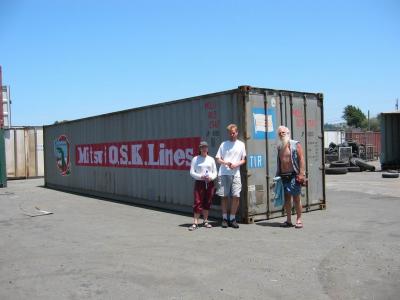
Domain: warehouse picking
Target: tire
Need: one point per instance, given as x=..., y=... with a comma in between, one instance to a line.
x=354, y=169
x=339, y=164
x=353, y=162
x=364, y=165
x=331, y=157
x=390, y=175
x=336, y=170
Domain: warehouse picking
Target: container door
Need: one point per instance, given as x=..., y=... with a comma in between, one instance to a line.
x=39, y=152
x=20, y=153
x=10, y=152
x=315, y=196
x=261, y=140
x=303, y=116
x=31, y=160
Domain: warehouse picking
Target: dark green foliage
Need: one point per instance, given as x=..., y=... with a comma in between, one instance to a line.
x=354, y=116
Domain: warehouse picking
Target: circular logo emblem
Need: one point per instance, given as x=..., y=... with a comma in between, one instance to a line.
x=62, y=154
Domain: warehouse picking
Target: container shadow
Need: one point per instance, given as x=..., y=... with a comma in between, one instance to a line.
x=144, y=206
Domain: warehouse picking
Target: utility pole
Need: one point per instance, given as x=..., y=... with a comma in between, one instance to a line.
x=397, y=104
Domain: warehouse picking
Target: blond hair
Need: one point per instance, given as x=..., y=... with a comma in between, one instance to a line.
x=231, y=126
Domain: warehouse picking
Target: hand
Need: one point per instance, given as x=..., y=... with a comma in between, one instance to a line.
x=300, y=178
x=228, y=164
x=233, y=165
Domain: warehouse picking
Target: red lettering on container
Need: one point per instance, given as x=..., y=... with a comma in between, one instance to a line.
x=210, y=105
x=297, y=112
x=171, y=154
x=312, y=123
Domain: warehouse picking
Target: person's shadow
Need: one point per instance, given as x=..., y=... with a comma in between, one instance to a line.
x=211, y=222
x=270, y=224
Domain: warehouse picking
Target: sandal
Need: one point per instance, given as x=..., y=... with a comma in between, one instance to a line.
x=193, y=227
x=299, y=225
x=206, y=224
x=287, y=224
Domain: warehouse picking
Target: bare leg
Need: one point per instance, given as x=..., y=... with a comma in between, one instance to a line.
x=297, y=205
x=235, y=205
x=288, y=207
x=205, y=214
x=196, y=218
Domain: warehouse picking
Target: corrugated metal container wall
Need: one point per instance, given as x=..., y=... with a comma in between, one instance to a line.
x=143, y=155
x=6, y=106
x=24, y=152
x=3, y=171
x=369, y=139
x=390, y=140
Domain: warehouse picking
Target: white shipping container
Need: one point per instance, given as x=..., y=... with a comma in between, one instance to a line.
x=333, y=136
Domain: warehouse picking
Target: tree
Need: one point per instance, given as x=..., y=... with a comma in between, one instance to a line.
x=354, y=116
x=374, y=124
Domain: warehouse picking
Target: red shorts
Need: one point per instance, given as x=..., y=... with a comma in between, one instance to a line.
x=203, y=196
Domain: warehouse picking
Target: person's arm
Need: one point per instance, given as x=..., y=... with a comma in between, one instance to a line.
x=238, y=164
x=214, y=172
x=301, y=160
x=219, y=157
x=193, y=173
x=241, y=162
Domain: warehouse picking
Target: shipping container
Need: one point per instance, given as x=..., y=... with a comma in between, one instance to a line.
x=24, y=152
x=143, y=155
x=1, y=100
x=3, y=177
x=6, y=106
x=333, y=136
x=371, y=140
x=390, y=140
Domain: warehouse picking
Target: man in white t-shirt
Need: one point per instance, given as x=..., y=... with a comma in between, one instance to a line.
x=231, y=155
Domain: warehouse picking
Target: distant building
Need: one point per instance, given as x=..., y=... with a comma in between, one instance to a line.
x=6, y=106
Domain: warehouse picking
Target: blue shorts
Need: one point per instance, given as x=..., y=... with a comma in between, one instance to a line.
x=291, y=186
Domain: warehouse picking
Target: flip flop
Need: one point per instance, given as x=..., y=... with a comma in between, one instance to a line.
x=286, y=224
x=298, y=225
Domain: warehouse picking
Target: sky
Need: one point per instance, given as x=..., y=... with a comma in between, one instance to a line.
x=66, y=60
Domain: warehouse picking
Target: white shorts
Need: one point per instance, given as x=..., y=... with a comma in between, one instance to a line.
x=229, y=186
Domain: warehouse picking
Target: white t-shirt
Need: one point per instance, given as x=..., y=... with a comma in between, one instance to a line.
x=231, y=152
x=201, y=166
